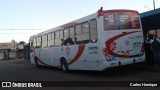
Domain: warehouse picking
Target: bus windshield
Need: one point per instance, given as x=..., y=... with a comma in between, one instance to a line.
x=121, y=21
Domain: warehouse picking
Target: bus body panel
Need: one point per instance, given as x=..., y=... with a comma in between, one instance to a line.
x=123, y=47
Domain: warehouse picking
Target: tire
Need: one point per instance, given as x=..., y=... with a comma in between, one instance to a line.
x=36, y=62
x=64, y=65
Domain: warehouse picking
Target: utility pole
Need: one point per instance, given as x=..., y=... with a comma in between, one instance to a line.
x=154, y=9
x=154, y=4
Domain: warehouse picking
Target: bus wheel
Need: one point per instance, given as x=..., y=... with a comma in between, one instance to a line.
x=64, y=65
x=36, y=62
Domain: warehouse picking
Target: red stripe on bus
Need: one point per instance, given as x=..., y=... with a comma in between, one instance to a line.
x=110, y=41
x=79, y=53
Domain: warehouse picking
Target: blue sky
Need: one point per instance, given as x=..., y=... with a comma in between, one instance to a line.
x=46, y=14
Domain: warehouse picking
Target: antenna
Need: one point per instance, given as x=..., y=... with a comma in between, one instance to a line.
x=101, y=8
x=147, y=7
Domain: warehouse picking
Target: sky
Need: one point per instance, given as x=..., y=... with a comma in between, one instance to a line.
x=20, y=19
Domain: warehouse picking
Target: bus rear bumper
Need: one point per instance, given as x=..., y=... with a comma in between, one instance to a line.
x=110, y=64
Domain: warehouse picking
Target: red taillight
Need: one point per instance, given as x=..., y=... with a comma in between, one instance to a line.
x=106, y=54
x=142, y=48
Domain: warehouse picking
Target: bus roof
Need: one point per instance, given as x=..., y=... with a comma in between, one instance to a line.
x=83, y=19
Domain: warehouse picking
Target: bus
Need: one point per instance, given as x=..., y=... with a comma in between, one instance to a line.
x=105, y=39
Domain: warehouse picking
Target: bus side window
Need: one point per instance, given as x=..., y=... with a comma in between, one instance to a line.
x=82, y=33
x=38, y=42
x=34, y=42
x=85, y=30
x=61, y=38
x=52, y=40
x=93, y=31
x=72, y=36
x=44, y=41
x=58, y=41
x=49, y=39
x=78, y=30
x=66, y=36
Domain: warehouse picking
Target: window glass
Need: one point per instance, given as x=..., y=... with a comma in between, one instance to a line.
x=51, y=43
x=44, y=41
x=49, y=36
x=85, y=27
x=58, y=40
x=51, y=40
x=121, y=21
x=38, y=42
x=61, y=33
x=82, y=37
x=53, y=36
x=38, y=39
x=57, y=34
x=70, y=39
x=72, y=33
x=78, y=29
x=34, y=42
x=43, y=38
x=93, y=31
x=66, y=32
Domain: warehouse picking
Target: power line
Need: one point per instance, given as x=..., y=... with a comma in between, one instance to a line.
x=20, y=29
x=15, y=33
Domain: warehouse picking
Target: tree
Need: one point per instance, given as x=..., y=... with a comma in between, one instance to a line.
x=21, y=42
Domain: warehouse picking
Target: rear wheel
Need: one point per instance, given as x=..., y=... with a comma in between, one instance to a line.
x=64, y=65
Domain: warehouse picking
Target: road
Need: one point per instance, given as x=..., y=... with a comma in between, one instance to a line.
x=20, y=70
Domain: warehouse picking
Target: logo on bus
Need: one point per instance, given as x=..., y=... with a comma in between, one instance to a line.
x=113, y=46
x=67, y=50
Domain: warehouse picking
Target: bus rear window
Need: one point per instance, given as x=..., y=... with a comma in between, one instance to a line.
x=121, y=21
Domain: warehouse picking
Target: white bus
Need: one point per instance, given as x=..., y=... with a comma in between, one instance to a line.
x=107, y=38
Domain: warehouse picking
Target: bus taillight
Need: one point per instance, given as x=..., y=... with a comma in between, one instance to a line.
x=142, y=48
x=106, y=53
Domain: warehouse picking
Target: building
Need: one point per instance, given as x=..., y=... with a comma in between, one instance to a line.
x=5, y=49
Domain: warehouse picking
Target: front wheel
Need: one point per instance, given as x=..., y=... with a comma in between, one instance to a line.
x=36, y=62
x=64, y=65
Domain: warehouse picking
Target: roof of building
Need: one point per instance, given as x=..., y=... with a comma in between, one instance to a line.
x=4, y=46
x=150, y=20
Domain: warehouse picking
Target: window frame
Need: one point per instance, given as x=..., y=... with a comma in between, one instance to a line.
x=82, y=33
x=45, y=40
x=91, y=31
